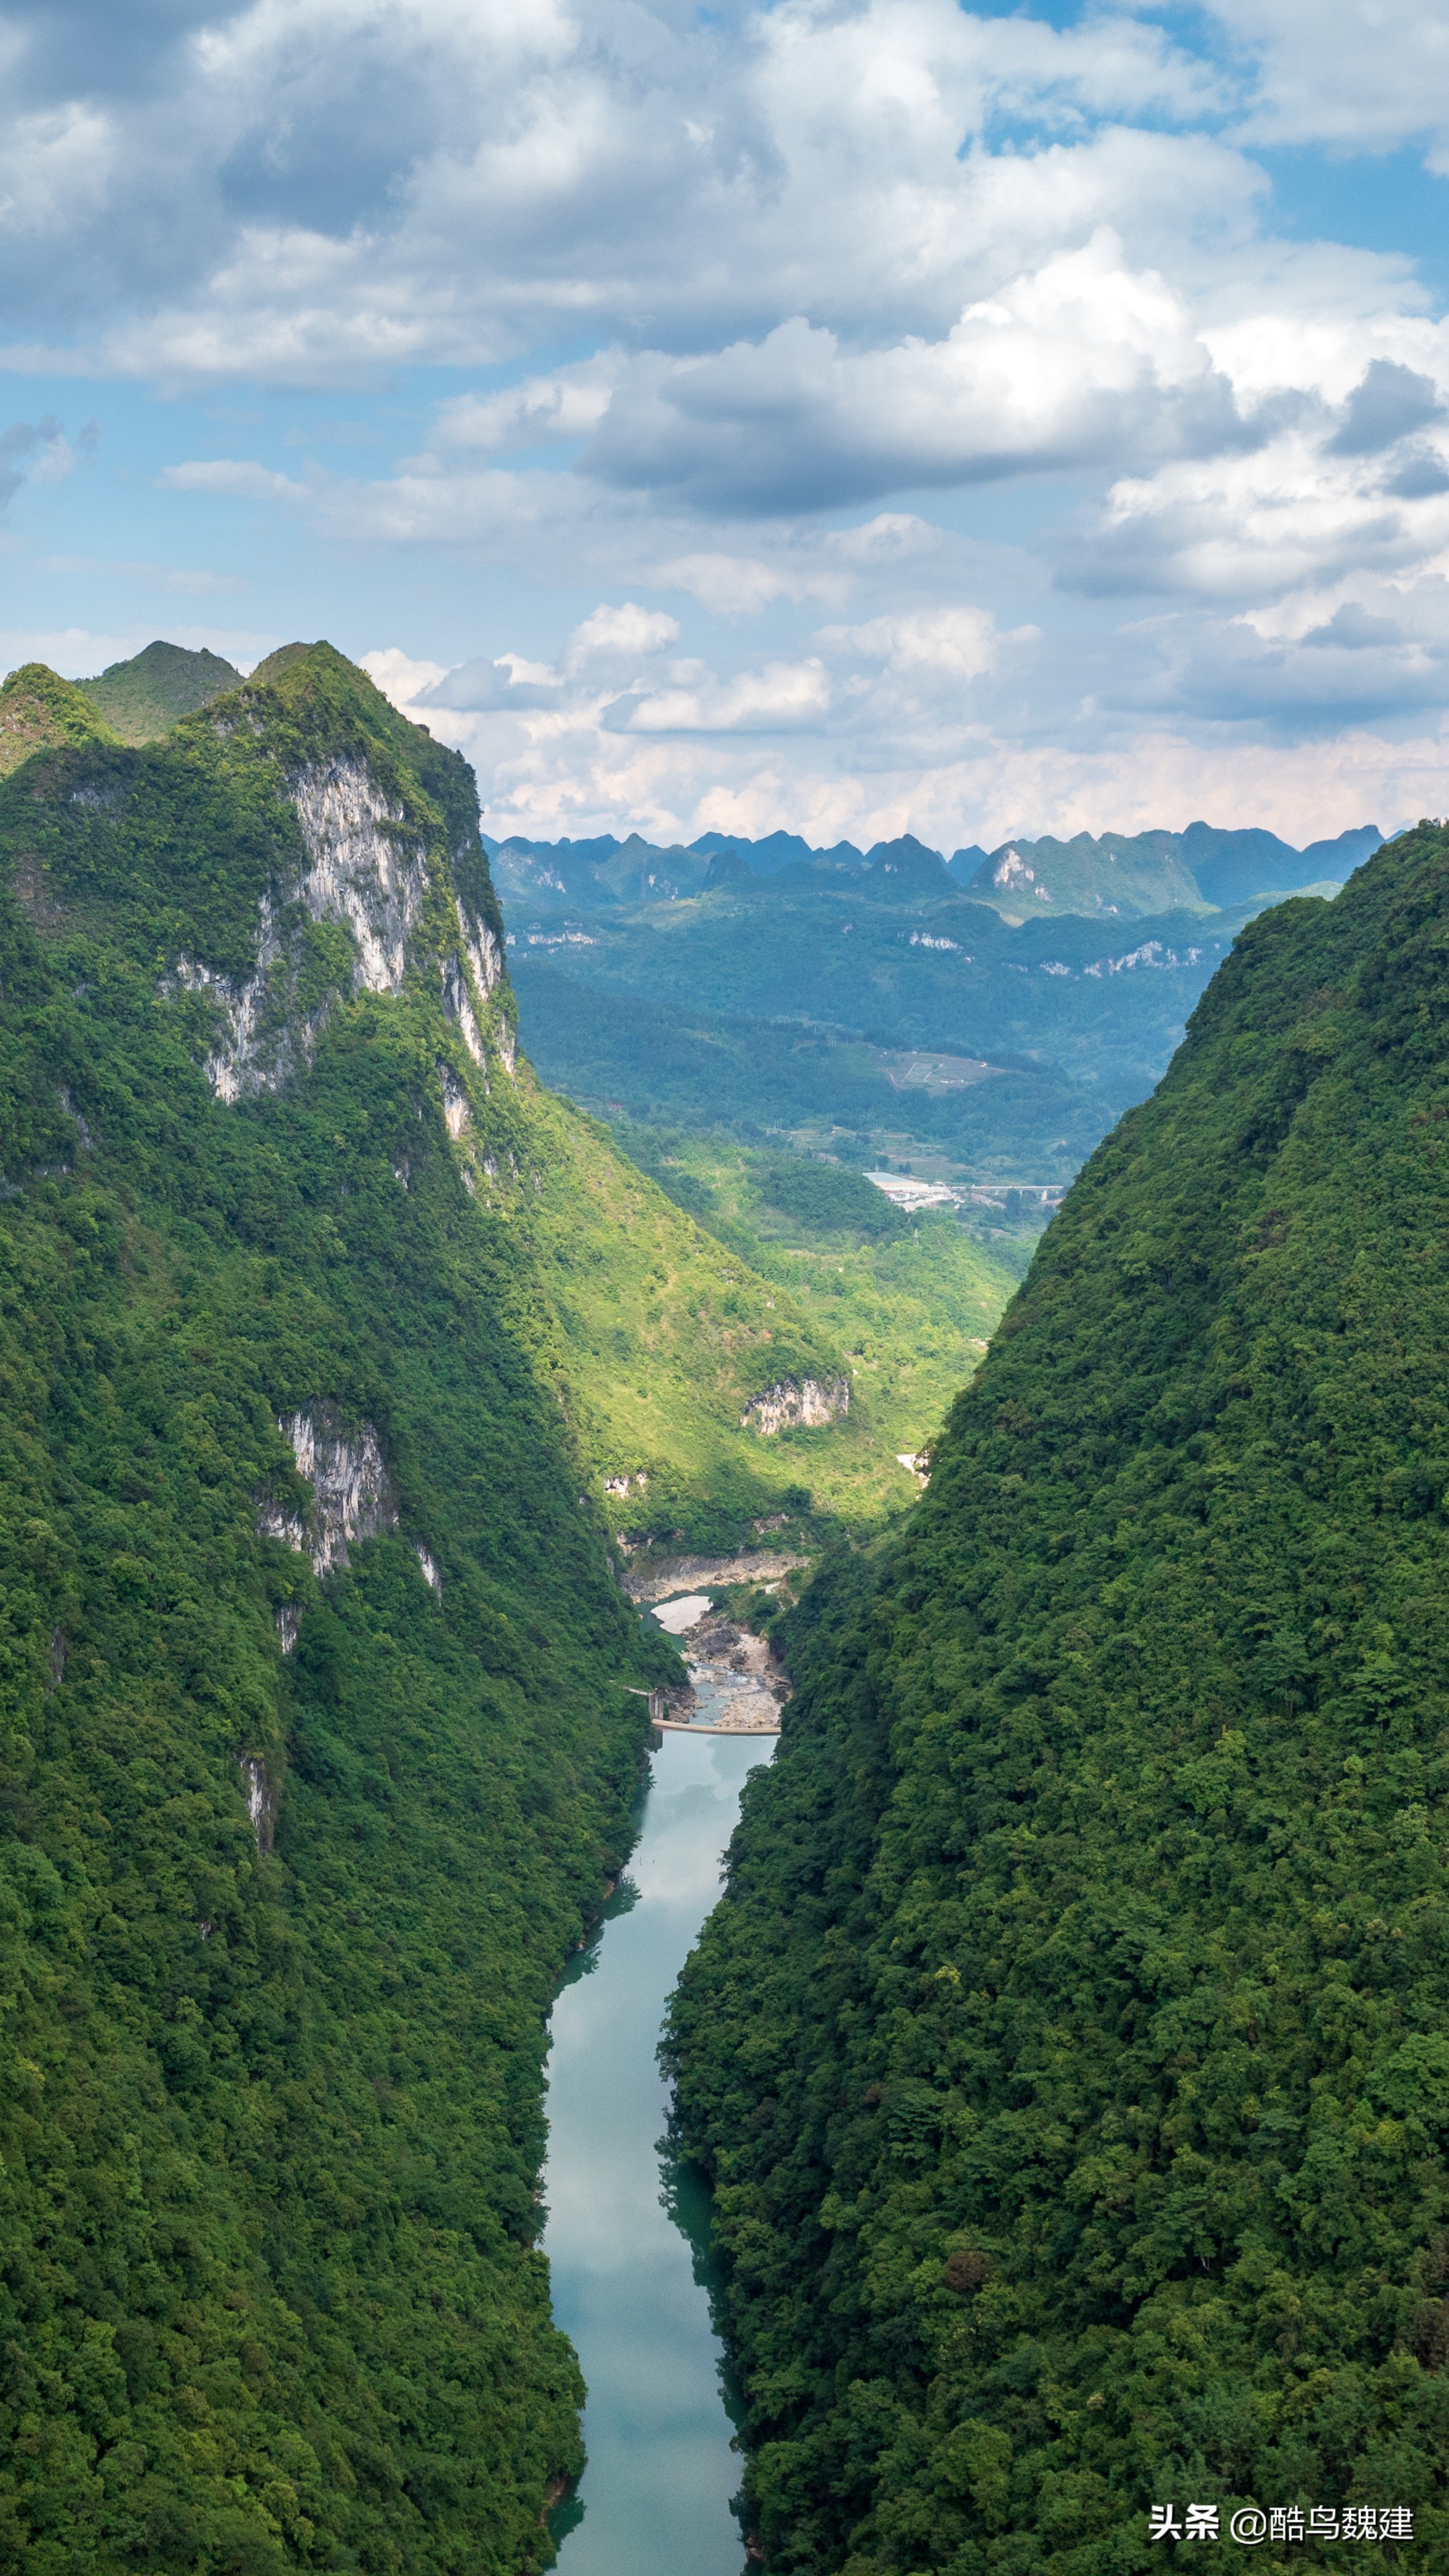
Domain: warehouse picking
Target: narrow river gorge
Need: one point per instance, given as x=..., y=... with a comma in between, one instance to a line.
x=628, y=2227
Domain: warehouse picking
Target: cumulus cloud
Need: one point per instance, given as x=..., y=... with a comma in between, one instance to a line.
x=323, y=188
x=1386, y=405
x=1370, y=73
x=627, y=632
x=567, y=773
x=926, y=399
x=779, y=698
x=1061, y=367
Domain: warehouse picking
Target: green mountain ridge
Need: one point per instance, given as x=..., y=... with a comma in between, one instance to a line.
x=328, y=1341
x=1122, y=875
x=1112, y=874
x=314, y=1745
x=1068, y=2051
x=39, y=711
x=143, y=698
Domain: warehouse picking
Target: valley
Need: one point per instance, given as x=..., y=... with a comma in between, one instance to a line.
x=502, y=1400
x=874, y=1011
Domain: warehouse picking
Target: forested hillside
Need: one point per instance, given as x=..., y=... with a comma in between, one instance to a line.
x=143, y=698
x=1071, y=2050
x=316, y=1747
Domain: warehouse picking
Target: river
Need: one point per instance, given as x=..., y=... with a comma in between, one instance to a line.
x=628, y=2229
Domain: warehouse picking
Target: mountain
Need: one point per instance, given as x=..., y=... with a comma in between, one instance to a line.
x=777, y=850
x=1232, y=867
x=726, y=867
x=1118, y=874
x=143, y=698
x=551, y=875
x=637, y=872
x=37, y=710
x=905, y=867
x=1133, y=875
x=1068, y=2051
x=336, y=1353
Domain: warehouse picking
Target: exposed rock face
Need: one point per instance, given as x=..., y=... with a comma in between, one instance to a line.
x=457, y=1117
x=366, y=872
x=257, y=1046
x=661, y=1576
x=362, y=871
x=481, y=951
x=458, y=1003
x=261, y=1803
x=352, y=1492
x=797, y=1404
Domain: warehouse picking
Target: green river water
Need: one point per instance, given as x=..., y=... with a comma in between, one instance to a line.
x=628, y=2228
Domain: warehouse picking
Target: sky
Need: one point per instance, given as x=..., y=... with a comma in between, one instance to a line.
x=850, y=418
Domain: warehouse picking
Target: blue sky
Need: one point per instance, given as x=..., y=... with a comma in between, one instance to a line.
x=847, y=417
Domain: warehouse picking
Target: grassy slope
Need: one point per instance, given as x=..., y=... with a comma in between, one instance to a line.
x=268, y=2294
x=1069, y=2051
x=669, y=1329
x=912, y=1310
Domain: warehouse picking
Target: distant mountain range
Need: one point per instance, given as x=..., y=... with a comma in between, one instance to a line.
x=1115, y=874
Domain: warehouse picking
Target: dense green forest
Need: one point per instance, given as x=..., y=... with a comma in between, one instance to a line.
x=142, y=699
x=675, y=1064
x=806, y=1005
x=1069, y=2053
x=298, y=1833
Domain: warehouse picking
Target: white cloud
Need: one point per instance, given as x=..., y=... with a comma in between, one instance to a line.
x=565, y=772
x=955, y=643
x=1071, y=363
x=401, y=676
x=233, y=477
x=713, y=286
x=779, y=698
x=735, y=585
x=323, y=189
x=628, y=630
x=55, y=171
x=541, y=411
x=82, y=652
x=33, y=452
x=1370, y=73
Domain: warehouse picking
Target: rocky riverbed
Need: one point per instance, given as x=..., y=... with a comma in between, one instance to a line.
x=735, y=1684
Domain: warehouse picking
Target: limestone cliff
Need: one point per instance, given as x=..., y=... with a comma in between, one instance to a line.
x=797, y=1404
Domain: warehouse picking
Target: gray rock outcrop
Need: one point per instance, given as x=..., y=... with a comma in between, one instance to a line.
x=352, y=1495
x=797, y=1404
